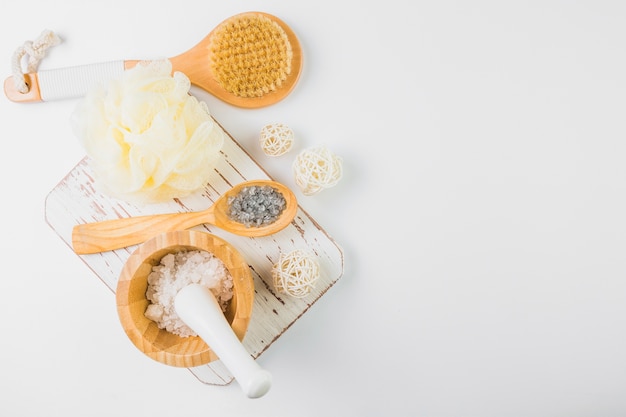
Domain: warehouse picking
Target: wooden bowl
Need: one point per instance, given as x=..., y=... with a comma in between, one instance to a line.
x=130, y=295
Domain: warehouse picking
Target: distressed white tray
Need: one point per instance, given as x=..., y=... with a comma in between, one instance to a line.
x=75, y=200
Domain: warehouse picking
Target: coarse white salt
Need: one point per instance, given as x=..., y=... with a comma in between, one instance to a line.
x=176, y=271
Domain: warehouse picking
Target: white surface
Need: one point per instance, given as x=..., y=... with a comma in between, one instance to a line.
x=481, y=214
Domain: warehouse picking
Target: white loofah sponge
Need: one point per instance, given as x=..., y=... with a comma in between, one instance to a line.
x=148, y=139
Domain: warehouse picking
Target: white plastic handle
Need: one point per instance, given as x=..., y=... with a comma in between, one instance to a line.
x=70, y=82
x=197, y=307
x=65, y=83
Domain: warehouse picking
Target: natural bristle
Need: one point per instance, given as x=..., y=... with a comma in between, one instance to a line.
x=250, y=55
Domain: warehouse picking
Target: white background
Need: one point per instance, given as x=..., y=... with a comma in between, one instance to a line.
x=481, y=213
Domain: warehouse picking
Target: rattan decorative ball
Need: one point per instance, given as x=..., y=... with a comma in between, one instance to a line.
x=276, y=139
x=317, y=168
x=295, y=273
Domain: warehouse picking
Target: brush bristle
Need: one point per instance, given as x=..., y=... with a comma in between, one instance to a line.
x=250, y=55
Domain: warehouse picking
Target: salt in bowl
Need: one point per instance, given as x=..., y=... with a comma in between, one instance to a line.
x=159, y=344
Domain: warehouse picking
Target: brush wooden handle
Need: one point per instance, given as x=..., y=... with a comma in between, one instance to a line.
x=197, y=307
x=119, y=233
x=74, y=82
x=63, y=83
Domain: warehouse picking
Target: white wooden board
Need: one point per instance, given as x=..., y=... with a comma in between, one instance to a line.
x=75, y=200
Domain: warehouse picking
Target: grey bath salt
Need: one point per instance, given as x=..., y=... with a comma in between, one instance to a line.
x=256, y=206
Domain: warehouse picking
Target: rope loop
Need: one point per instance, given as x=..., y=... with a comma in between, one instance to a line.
x=31, y=52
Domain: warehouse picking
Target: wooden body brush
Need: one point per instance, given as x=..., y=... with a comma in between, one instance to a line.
x=249, y=60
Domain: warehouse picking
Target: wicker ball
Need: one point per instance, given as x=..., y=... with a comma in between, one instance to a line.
x=295, y=273
x=317, y=168
x=276, y=139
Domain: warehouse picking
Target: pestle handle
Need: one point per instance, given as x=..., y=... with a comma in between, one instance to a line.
x=197, y=307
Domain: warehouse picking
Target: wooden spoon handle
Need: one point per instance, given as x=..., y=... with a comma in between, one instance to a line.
x=118, y=233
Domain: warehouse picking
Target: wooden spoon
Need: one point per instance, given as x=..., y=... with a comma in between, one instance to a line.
x=118, y=233
x=269, y=34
